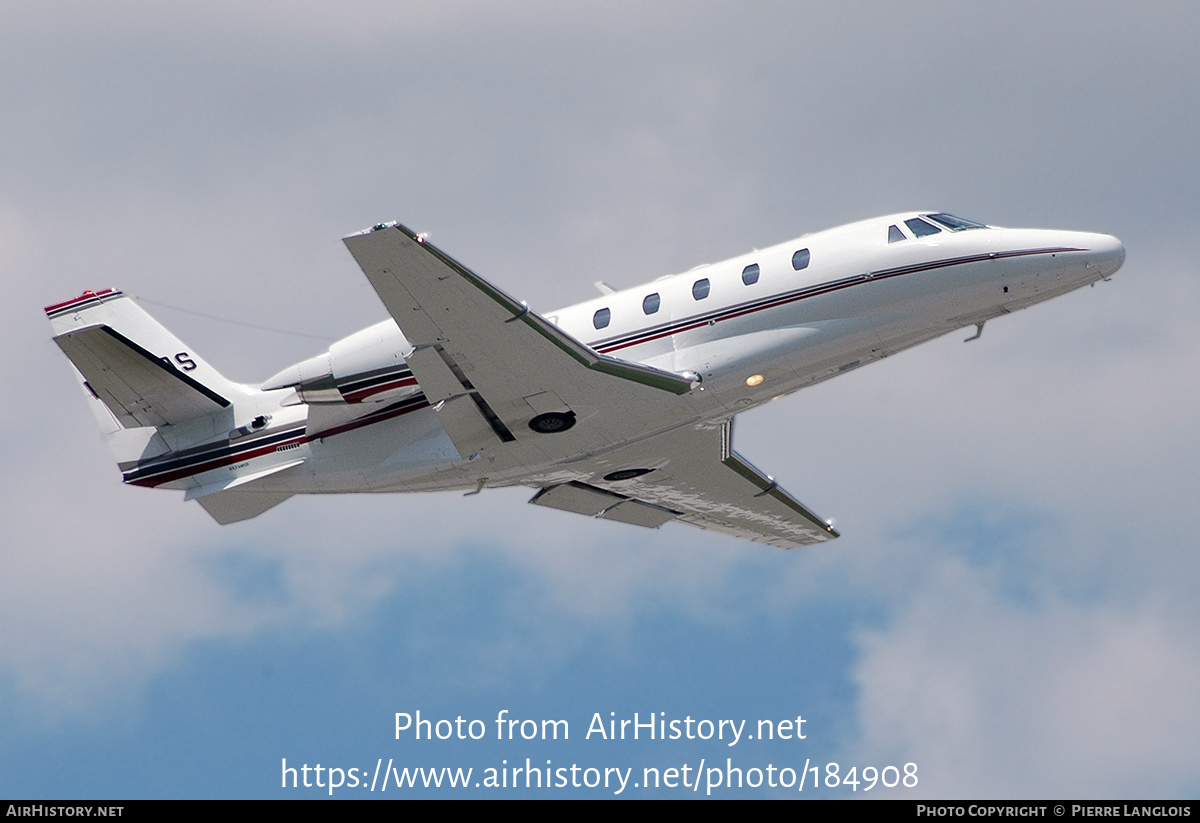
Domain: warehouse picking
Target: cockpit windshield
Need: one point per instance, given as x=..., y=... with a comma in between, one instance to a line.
x=920, y=228
x=954, y=223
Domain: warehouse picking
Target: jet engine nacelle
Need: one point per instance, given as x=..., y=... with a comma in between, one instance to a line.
x=366, y=367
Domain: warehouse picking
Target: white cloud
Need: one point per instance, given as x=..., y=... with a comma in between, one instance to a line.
x=992, y=698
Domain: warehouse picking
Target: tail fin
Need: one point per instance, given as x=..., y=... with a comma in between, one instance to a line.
x=156, y=400
x=143, y=374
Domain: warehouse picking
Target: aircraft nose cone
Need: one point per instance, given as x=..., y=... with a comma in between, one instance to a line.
x=1110, y=254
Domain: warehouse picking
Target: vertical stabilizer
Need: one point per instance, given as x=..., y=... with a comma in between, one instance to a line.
x=143, y=374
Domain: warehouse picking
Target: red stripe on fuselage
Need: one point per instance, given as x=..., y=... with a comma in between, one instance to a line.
x=816, y=291
x=228, y=460
x=715, y=317
x=362, y=394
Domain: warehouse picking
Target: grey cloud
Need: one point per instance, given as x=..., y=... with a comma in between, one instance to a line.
x=995, y=699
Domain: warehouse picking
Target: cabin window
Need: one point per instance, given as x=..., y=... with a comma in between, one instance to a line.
x=651, y=303
x=601, y=318
x=750, y=274
x=700, y=289
x=895, y=235
x=800, y=259
x=920, y=228
x=955, y=223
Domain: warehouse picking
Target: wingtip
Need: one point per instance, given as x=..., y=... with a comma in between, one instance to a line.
x=372, y=229
x=391, y=224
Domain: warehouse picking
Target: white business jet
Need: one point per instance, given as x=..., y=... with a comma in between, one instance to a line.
x=619, y=408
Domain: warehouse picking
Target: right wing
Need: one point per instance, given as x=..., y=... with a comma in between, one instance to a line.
x=693, y=475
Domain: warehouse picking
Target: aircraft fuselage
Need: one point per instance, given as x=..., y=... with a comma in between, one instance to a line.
x=683, y=353
x=856, y=298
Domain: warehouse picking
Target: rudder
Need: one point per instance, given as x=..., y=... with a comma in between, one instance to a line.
x=143, y=374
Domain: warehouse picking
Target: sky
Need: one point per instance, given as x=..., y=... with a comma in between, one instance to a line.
x=1011, y=606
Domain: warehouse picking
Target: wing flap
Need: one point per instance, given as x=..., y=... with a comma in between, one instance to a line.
x=584, y=499
x=437, y=379
x=637, y=513
x=577, y=497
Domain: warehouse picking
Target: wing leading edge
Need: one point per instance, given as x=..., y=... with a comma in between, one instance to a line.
x=693, y=475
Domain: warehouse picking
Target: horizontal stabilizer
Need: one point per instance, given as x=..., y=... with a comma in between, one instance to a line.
x=139, y=388
x=233, y=506
x=235, y=482
x=236, y=499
